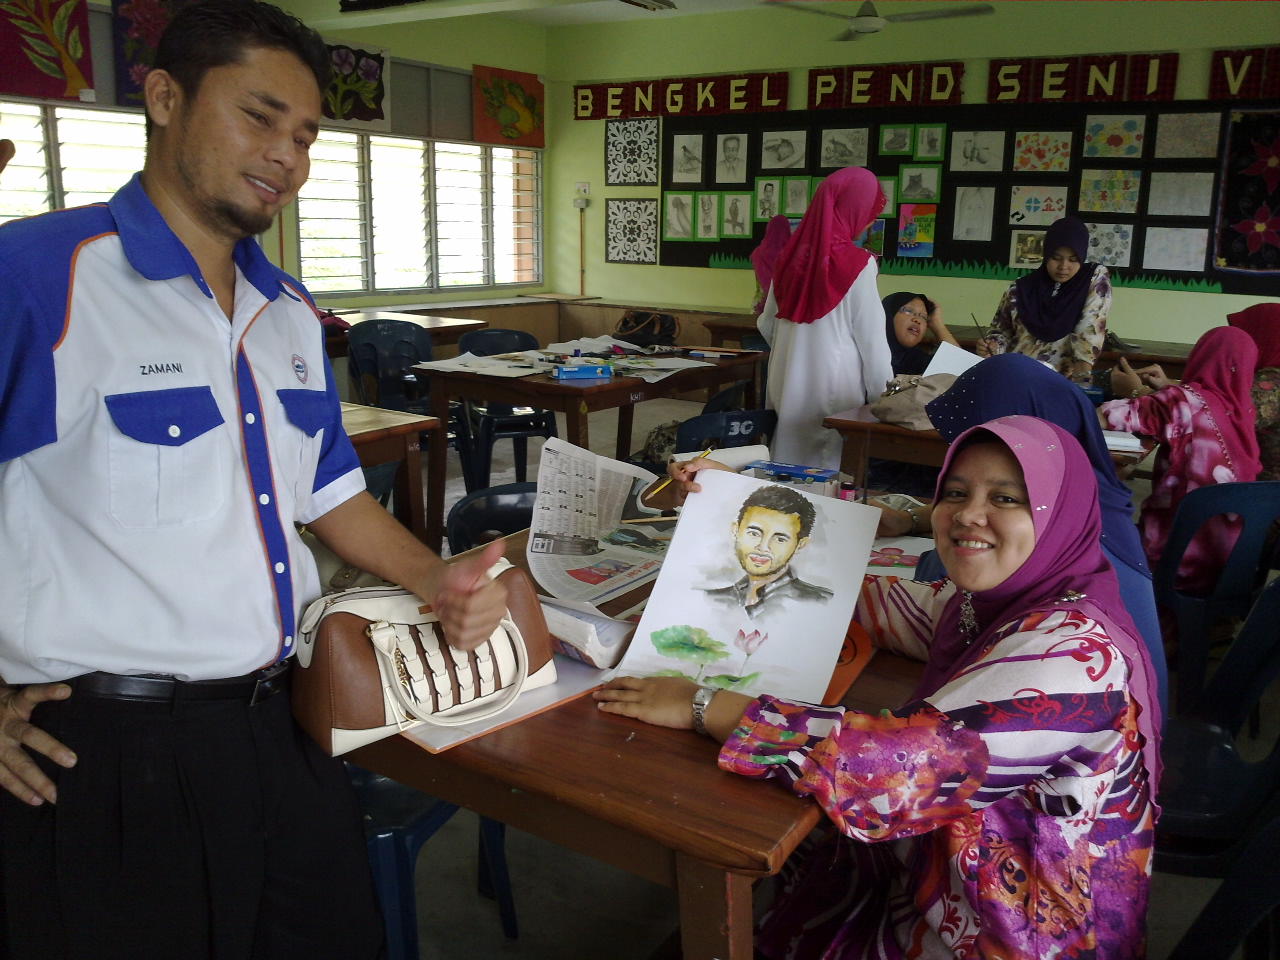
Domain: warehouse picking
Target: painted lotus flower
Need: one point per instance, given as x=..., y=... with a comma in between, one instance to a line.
x=344, y=60
x=1264, y=228
x=749, y=643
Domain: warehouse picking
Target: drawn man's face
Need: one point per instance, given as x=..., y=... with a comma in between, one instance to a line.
x=765, y=540
x=731, y=148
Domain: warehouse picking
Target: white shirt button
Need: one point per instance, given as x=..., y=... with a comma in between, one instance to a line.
x=249, y=418
x=279, y=568
x=264, y=499
x=174, y=430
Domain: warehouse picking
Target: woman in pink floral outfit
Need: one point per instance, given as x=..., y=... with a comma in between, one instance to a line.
x=1205, y=426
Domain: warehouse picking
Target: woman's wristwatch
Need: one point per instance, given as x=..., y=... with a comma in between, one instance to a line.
x=701, y=700
x=914, y=513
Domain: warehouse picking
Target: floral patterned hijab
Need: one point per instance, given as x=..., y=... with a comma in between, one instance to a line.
x=1219, y=371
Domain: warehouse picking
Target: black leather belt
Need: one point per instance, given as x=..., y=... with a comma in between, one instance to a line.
x=252, y=687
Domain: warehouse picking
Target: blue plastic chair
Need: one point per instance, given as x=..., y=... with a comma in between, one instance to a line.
x=1258, y=504
x=398, y=820
x=484, y=515
x=380, y=355
x=489, y=422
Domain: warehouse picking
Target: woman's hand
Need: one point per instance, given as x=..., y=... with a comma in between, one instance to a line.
x=983, y=347
x=1154, y=376
x=893, y=523
x=1125, y=381
x=662, y=701
x=684, y=472
x=938, y=327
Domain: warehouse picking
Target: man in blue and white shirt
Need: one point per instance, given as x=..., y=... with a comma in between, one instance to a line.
x=167, y=414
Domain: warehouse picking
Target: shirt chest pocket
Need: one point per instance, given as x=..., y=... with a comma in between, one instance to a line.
x=170, y=464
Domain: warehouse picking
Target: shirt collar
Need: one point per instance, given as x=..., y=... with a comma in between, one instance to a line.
x=155, y=251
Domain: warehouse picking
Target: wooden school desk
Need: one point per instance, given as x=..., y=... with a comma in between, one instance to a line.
x=864, y=437
x=383, y=436
x=574, y=398
x=646, y=799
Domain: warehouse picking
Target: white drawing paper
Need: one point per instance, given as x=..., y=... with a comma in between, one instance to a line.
x=980, y=151
x=1193, y=135
x=1181, y=194
x=1036, y=206
x=1175, y=248
x=949, y=358
x=974, y=211
x=748, y=599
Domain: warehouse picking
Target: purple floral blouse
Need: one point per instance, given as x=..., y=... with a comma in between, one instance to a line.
x=1006, y=816
x=1075, y=354
x=1266, y=400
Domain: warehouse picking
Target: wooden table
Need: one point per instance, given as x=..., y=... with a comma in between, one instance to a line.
x=443, y=329
x=645, y=799
x=730, y=329
x=864, y=437
x=385, y=436
x=574, y=398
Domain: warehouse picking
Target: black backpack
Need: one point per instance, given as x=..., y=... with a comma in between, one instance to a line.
x=648, y=329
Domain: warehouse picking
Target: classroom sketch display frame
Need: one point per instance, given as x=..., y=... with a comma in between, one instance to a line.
x=999, y=126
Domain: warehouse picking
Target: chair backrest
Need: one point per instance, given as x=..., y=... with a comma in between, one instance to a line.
x=731, y=428
x=1257, y=504
x=730, y=398
x=379, y=354
x=1250, y=665
x=492, y=340
x=478, y=516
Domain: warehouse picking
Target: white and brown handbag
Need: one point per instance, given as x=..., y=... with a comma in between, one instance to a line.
x=373, y=661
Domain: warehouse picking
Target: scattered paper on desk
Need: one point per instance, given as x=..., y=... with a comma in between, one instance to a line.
x=949, y=358
x=780, y=632
x=523, y=364
x=579, y=548
x=1120, y=441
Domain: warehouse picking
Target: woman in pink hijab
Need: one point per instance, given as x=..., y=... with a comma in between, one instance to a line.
x=1262, y=323
x=1205, y=426
x=765, y=256
x=824, y=322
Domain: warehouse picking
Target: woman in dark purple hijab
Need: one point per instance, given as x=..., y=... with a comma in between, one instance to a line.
x=1057, y=313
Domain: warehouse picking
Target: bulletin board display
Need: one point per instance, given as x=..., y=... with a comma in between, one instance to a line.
x=1163, y=187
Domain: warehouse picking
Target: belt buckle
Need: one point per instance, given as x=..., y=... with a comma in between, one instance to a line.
x=265, y=685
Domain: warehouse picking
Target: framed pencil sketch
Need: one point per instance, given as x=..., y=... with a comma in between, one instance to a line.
x=677, y=218
x=1026, y=248
x=931, y=140
x=768, y=192
x=919, y=182
x=844, y=147
x=731, y=158
x=977, y=151
x=890, y=187
x=735, y=215
x=706, y=223
x=795, y=196
x=783, y=149
x=897, y=140
x=631, y=231
x=686, y=158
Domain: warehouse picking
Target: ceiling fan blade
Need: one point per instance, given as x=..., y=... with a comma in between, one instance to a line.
x=785, y=5
x=943, y=13
x=868, y=9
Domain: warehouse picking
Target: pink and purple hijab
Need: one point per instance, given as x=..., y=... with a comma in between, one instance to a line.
x=1220, y=369
x=765, y=256
x=821, y=260
x=1066, y=570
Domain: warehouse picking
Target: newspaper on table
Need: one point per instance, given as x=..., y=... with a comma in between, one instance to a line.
x=636, y=362
x=580, y=548
x=757, y=589
x=524, y=363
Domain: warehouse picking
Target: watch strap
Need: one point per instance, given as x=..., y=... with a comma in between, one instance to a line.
x=701, y=700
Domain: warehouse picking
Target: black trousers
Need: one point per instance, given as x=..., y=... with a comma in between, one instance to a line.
x=192, y=830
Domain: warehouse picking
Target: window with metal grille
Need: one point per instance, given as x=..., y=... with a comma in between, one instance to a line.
x=66, y=156
x=385, y=214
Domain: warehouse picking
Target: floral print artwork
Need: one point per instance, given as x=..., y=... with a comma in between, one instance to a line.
x=631, y=231
x=1038, y=151
x=1266, y=400
x=1110, y=243
x=1109, y=191
x=1248, y=228
x=1115, y=136
x=631, y=153
x=356, y=90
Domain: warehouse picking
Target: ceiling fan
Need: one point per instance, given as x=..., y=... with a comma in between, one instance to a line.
x=868, y=21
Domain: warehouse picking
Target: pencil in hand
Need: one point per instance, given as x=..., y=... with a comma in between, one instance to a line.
x=665, y=483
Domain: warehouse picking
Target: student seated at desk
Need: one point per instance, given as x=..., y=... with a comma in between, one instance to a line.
x=1018, y=780
x=1205, y=426
x=909, y=318
x=1262, y=322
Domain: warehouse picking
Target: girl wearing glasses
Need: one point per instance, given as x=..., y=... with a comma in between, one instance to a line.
x=908, y=317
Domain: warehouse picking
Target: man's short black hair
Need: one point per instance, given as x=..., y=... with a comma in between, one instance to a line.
x=214, y=33
x=783, y=499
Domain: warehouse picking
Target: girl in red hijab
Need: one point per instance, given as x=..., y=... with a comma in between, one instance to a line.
x=1262, y=322
x=824, y=321
x=1206, y=433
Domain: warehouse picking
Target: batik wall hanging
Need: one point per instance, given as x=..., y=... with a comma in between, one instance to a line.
x=1248, y=225
x=357, y=91
x=631, y=230
x=631, y=153
x=136, y=26
x=507, y=107
x=44, y=46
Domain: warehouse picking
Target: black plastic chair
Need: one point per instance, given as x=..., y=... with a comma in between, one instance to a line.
x=398, y=820
x=733, y=428
x=380, y=355
x=485, y=515
x=1258, y=506
x=1214, y=799
x=489, y=422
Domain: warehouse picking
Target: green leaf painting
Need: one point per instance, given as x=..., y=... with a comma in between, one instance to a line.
x=49, y=42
